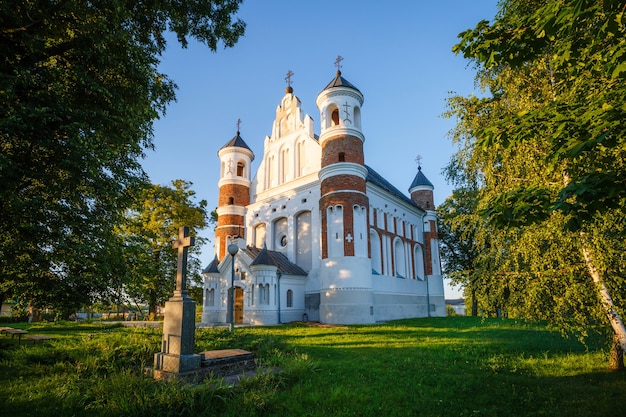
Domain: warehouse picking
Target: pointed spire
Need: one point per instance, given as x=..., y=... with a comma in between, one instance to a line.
x=212, y=267
x=420, y=180
x=264, y=258
x=237, y=141
x=339, y=81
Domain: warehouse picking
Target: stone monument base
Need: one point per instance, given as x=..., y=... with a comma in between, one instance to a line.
x=230, y=364
x=176, y=363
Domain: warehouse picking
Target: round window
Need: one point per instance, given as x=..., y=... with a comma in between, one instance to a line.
x=283, y=241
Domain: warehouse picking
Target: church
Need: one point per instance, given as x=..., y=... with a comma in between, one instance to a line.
x=315, y=234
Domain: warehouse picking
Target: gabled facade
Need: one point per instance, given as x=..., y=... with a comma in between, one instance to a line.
x=322, y=236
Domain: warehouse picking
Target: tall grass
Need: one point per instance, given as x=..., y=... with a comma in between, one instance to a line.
x=455, y=366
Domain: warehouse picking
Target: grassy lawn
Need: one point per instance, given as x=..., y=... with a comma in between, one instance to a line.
x=455, y=366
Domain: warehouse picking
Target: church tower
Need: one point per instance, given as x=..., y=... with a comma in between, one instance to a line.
x=234, y=184
x=421, y=191
x=346, y=268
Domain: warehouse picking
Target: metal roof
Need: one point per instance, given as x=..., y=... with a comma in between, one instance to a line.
x=376, y=179
x=270, y=257
x=212, y=268
x=420, y=180
x=339, y=81
x=236, y=142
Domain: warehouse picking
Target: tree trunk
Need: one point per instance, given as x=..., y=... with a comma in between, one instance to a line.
x=616, y=360
x=605, y=298
x=474, y=303
x=152, y=301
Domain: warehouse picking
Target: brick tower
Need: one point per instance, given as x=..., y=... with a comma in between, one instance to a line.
x=421, y=191
x=346, y=268
x=234, y=184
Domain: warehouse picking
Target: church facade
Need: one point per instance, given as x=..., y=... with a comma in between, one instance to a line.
x=320, y=235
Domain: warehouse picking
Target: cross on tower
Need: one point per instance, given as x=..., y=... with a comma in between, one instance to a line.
x=338, y=62
x=182, y=244
x=346, y=107
x=238, y=125
x=418, y=159
x=288, y=78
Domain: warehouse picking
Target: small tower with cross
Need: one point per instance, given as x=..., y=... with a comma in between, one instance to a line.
x=235, y=160
x=422, y=192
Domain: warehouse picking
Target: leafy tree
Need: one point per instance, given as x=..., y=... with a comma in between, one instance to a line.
x=151, y=226
x=457, y=236
x=548, y=151
x=80, y=89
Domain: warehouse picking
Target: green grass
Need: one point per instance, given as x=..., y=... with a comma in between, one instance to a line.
x=455, y=366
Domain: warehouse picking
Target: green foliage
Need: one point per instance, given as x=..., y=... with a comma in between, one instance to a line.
x=80, y=89
x=150, y=227
x=581, y=44
x=545, y=155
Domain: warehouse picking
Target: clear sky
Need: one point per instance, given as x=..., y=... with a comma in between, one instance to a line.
x=396, y=52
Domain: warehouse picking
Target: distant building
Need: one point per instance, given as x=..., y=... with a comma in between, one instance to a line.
x=322, y=236
x=457, y=305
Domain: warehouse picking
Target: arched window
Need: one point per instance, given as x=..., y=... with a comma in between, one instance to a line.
x=284, y=165
x=335, y=117
x=269, y=167
x=259, y=235
x=334, y=219
x=209, y=297
x=240, y=168
x=399, y=258
x=231, y=200
x=281, y=235
x=377, y=266
x=304, y=240
x=418, y=256
x=357, y=117
x=264, y=294
x=289, y=298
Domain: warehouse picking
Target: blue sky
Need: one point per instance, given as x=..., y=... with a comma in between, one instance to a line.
x=397, y=52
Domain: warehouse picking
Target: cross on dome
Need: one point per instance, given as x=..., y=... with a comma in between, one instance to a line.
x=289, y=89
x=238, y=125
x=338, y=63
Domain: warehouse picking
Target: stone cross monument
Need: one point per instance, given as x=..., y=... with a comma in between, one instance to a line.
x=179, y=324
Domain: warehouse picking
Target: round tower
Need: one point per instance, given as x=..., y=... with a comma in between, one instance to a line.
x=346, y=269
x=234, y=184
x=421, y=191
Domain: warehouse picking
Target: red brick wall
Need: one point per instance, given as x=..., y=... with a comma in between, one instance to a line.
x=428, y=253
x=239, y=193
x=342, y=182
x=351, y=146
x=424, y=199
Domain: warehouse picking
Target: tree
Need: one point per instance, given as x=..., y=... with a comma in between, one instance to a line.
x=459, y=249
x=80, y=89
x=151, y=226
x=550, y=152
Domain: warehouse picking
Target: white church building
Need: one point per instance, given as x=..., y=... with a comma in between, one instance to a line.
x=320, y=235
